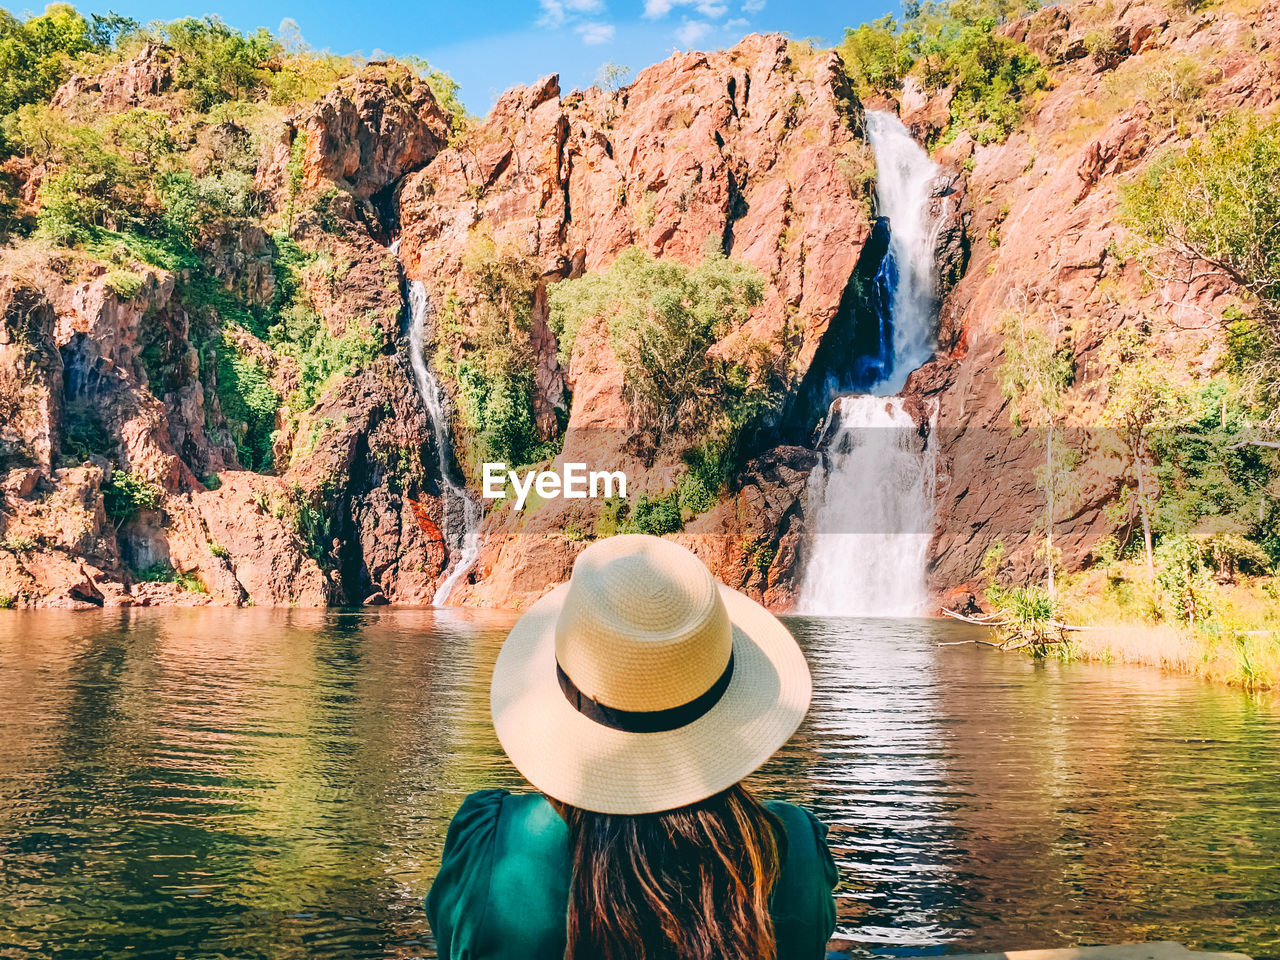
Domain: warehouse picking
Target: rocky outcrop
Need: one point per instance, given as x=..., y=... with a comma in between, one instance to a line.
x=30, y=378
x=755, y=538
x=758, y=150
x=135, y=83
x=362, y=460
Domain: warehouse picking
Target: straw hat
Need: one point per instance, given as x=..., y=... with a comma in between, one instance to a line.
x=642, y=684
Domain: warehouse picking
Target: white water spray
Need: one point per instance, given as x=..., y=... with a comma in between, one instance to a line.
x=456, y=505
x=872, y=498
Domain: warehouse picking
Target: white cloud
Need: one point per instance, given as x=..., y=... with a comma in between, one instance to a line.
x=752, y=6
x=737, y=23
x=552, y=13
x=711, y=9
x=691, y=31
x=556, y=12
x=594, y=34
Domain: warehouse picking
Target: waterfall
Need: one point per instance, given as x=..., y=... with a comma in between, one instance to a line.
x=908, y=275
x=461, y=514
x=871, y=500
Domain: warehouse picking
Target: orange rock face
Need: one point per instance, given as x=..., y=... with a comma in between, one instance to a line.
x=758, y=150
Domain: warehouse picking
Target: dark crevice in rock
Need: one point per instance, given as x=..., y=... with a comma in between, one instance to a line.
x=853, y=333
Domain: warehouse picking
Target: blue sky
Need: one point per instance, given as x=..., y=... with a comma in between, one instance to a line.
x=490, y=46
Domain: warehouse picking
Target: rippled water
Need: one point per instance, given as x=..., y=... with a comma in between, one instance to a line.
x=277, y=784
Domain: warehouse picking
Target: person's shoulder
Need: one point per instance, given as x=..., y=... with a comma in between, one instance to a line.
x=806, y=841
x=796, y=818
x=511, y=818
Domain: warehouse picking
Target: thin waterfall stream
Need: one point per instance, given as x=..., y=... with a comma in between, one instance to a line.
x=871, y=499
x=461, y=514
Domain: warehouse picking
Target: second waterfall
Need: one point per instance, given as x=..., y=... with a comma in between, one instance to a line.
x=871, y=500
x=462, y=515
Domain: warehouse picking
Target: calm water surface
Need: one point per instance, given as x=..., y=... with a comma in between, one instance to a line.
x=258, y=784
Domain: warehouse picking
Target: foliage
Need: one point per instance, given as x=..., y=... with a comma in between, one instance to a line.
x=1030, y=618
x=1215, y=483
x=1143, y=401
x=217, y=63
x=1034, y=377
x=951, y=44
x=876, y=56
x=249, y=402
x=296, y=330
x=127, y=493
x=162, y=572
x=1184, y=579
x=36, y=53
x=496, y=403
x=994, y=76
x=612, y=77
x=1218, y=201
x=125, y=284
x=495, y=373
x=663, y=319
x=1213, y=207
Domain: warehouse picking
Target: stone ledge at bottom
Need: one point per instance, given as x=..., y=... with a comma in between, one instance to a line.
x=1161, y=950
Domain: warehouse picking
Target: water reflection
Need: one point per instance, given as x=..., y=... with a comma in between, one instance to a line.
x=277, y=784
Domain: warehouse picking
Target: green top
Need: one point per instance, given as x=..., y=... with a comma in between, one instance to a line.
x=502, y=892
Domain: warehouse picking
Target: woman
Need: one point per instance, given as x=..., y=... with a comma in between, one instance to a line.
x=635, y=698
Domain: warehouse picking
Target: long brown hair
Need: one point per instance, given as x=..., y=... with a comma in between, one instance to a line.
x=685, y=884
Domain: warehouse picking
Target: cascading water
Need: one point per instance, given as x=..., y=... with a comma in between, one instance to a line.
x=872, y=498
x=462, y=514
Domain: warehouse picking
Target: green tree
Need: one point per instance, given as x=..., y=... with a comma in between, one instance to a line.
x=1143, y=400
x=663, y=319
x=127, y=493
x=218, y=63
x=1212, y=208
x=1034, y=378
x=36, y=53
x=876, y=56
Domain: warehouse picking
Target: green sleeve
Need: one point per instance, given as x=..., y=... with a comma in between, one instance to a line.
x=459, y=896
x=804, y=907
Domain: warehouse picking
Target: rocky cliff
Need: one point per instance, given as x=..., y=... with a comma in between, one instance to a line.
x=1047, y=238
x=174, y=432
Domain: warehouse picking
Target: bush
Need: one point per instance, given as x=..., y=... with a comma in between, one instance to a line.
x=994, y=77
x=657, y=515
x=1184, y=579
x=127, y=493
x=125, y=284
x=249, y=402
x=36, y=53
x=1217, y=200
x=875, y=56
x=165, y=573
x=951, y=43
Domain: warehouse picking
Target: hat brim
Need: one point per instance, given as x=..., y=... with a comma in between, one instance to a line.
x=588, y=765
